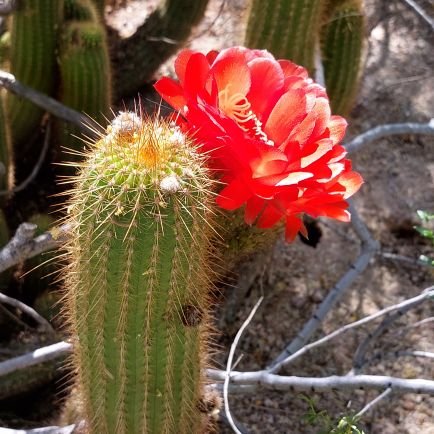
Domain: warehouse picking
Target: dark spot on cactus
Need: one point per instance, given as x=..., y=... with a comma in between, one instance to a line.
x=191, y=316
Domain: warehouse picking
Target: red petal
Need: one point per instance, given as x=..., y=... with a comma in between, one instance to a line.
x=196, y=74
x=352, y=181
x=292, y=227
x=307, y=126
x=269, y=217
x=181, y=64
x=267, y=83
x=337, y=127
x=322, y=147
x=233, y=195
x=286, y=114
x=171, y=92
x=291, y=69
x=294, y=178
x=253, y=207
x=232, y=73
x=211, y=56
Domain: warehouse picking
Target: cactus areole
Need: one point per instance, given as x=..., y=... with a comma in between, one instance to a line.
x=136, y=287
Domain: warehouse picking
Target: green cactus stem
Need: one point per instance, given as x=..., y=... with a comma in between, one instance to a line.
x=342, y=44
x=137, y=57
x=6, y=151
x=32, y=60
x=85, y=78
x=100, y=5
x=287, y=28
x=138, y=277
x=80, y=10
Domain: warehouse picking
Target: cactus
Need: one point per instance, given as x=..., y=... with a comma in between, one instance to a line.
x=342, y=42
x=85, y=77
x=32, y=60
x=137, y=284
x=287, y=28
x=100, y=6
x=6, y=151
x=6, y=276
x=80, y=10
x=162, y=34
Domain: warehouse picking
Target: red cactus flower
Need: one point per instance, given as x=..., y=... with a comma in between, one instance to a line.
x=268, y=129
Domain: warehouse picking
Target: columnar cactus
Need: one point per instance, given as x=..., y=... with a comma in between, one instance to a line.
x=287, y=28
x=342, y=43
x=299, y=30
x=32, y=59
x=137, y=284
x=85, y=76
x=6, y=150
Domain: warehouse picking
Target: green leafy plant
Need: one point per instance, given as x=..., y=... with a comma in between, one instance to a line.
x=427, y=232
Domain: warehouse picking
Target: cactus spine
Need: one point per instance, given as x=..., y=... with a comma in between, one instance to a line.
x=137, y=283
x=342, y=49
x=287, y=28
x=32, y=59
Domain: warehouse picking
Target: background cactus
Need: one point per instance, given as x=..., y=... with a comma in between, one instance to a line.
x=162, y=34
x=342, y=43
x=137, y=283
x=85, y=77
x=34, y=29
x=287, y=28
x=296, y=29
x=6, y=150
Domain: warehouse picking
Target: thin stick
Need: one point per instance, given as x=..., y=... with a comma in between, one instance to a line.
x=86, y=124
x=406, y=304
x=229, y=364
x=373, y=403
x=416, y=8
x=359, y=356
x=36, y=168
x=27, y=310
x=389, y=130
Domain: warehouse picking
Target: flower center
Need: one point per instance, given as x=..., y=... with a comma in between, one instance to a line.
x=237, y=107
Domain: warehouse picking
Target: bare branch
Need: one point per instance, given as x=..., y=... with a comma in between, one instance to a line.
x=415, y=262
x=229, y=364
x=373, y=403
x=348, y=382
x=359, y=356
x=86, y=124
x=419, y=11
x=406, y=304
x=45, y=325
x=368, y=249
x=23, y=246
x=45, y=430
x=35, y=357
x=389, y=130
x=36, y=168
